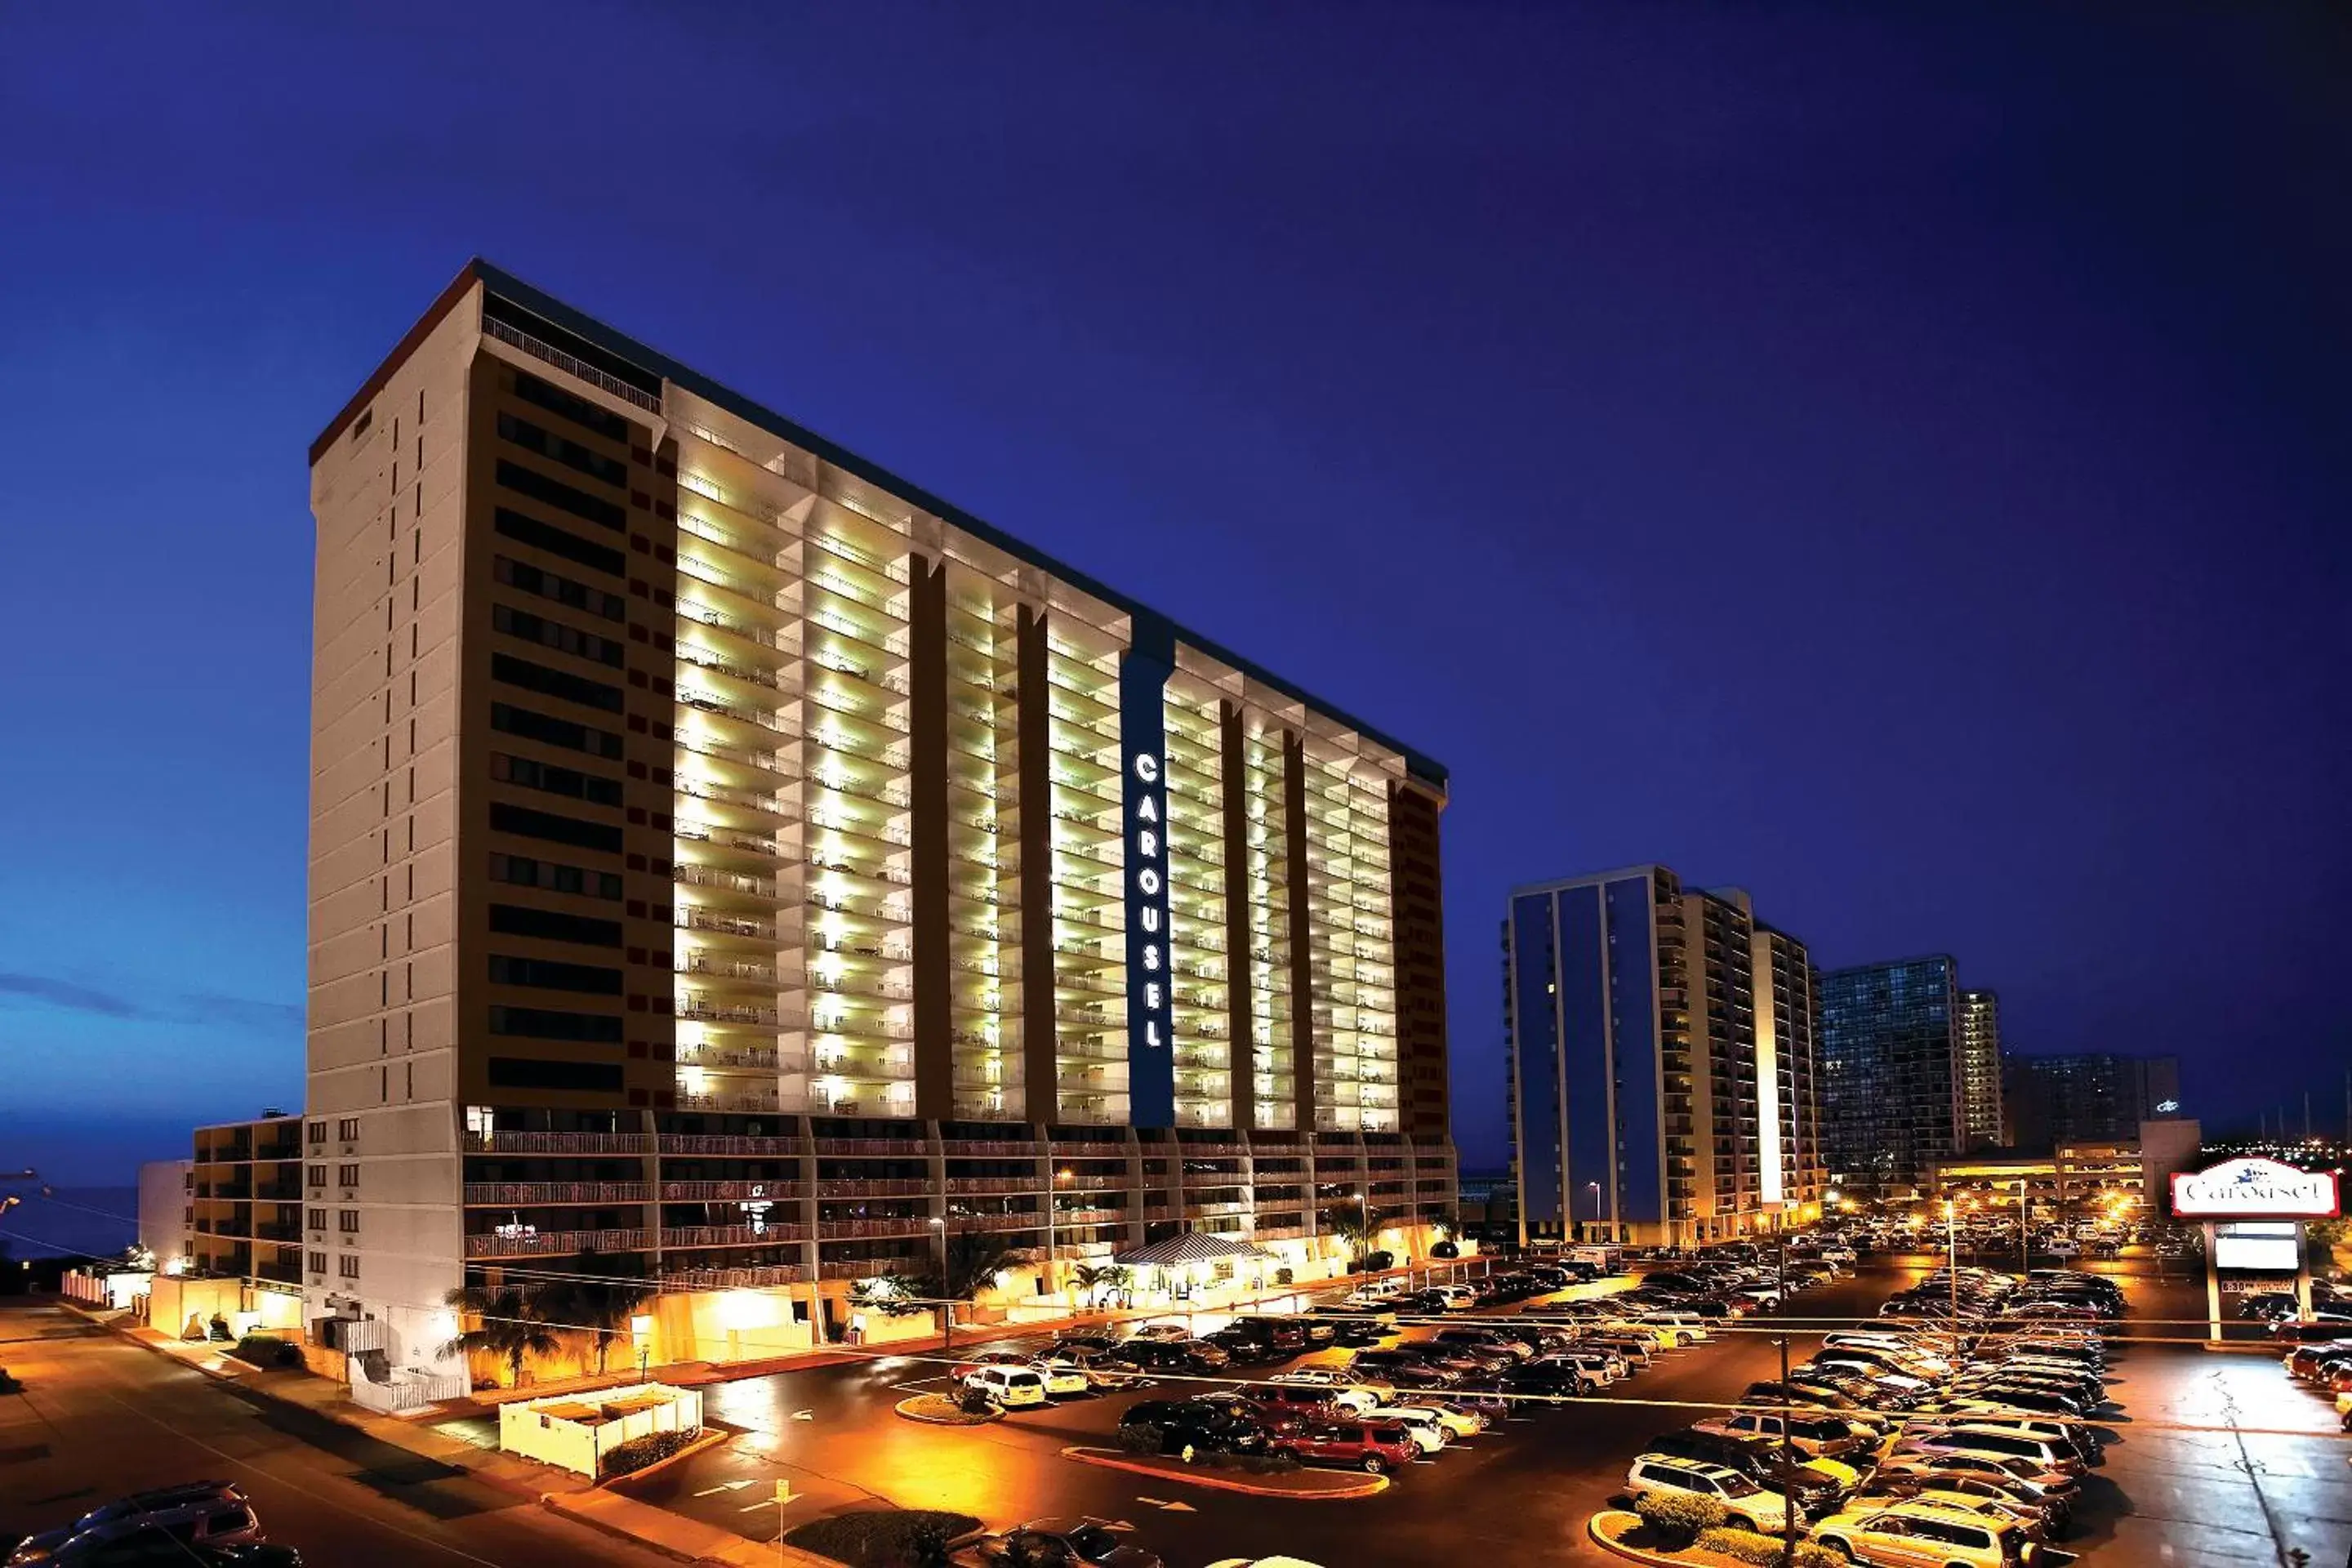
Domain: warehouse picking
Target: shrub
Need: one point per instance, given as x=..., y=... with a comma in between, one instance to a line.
x=1764, y=1550
x=1678, y=1517
x=1140, y=1440
x=268, y=1350
x=883, y=1538
x=638, y=1452
x=1284, y=1276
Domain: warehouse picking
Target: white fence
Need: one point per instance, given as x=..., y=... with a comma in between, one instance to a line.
x=576, y=1431
x=409, y=1388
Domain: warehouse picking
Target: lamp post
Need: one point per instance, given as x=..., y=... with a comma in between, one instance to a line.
x=947, y=1303
x=1052, y=1190
x=1952, y=1267
x=1595, y=1188
x=2024, y=1245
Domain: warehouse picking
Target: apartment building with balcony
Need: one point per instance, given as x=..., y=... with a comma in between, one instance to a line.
x=1981, y=1125
x=1894, y=1095
x=729, y=858
x=1660, y=1043
x=245, y=1200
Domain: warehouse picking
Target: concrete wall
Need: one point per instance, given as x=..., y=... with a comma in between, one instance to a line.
x=383, y=1040
x=163, y=1203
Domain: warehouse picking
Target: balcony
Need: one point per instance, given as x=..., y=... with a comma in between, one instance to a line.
x=731, y=1235
x=557, y=1144
x=748, y=1104
x=556, y=1242
x=851, y=1229
x=753, y=1278
x=523, y=1194
x=549, y=354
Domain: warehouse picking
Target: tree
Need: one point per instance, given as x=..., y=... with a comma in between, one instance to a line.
x=892, y=1295
x=1347, y=1228
x=1099, y=1280
x=601, y=1302
x=510, y=1323
x=973, y=1262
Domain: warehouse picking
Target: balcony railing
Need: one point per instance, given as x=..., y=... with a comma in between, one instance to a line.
x=750, y=1278
x=549, y=354
x=519, y=1194
x=730, y=1235
x=540, y=1244
x=557, y=1144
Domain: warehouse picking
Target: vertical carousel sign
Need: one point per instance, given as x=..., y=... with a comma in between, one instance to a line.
x=1151, y=1005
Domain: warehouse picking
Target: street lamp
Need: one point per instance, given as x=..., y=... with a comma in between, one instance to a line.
x=1594, y=1187
x=1059, y=1177
x=1952, y=1268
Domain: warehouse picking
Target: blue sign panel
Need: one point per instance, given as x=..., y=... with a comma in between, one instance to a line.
x=1143, y=675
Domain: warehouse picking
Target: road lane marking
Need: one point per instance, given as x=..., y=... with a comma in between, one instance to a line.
x=735, y=1486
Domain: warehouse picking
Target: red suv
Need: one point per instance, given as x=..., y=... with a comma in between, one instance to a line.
x=1373, y=1445
x=1307, y=1401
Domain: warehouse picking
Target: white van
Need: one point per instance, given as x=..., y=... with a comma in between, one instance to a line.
x=1009, y=1386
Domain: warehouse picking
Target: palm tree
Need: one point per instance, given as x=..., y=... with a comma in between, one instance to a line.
x=1098, y=1280
x=601, y=1300
x=973, y=1262
x=510, y=1323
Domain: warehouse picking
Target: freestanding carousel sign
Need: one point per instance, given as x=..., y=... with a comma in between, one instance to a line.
x=2243, y=1205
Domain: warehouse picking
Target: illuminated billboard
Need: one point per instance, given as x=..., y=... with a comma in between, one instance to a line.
x=2254, y=1189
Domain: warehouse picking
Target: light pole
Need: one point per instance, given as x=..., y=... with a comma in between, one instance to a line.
x=2024, y=1246
x=1052, y=1190
x=947, y=1303
x=1952, y=1267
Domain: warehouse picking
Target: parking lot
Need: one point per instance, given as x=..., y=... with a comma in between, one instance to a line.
x=2163, y=1496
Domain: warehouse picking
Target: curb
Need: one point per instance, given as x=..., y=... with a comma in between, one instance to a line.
x=961, y=1419
x=711, y=1438
x=1630, y=1553
x=613, y=1532
x=1368, y=1486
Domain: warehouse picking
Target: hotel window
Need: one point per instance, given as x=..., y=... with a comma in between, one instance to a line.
x=347, y=1175
x=348, y=1129
x=347, y=1220
x=318, y=1263
x=317, y=1175
x=318, y=1218
x=317, y=1131
x=348, y=1267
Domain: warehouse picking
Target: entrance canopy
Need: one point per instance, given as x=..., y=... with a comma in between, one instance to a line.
x=1191, y=1247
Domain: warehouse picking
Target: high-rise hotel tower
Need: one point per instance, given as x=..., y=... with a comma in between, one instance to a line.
x=727, y=858
x=1661, y=1062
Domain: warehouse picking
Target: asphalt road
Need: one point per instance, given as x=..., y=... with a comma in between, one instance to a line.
x=1522, y=1492
x=100, y=1416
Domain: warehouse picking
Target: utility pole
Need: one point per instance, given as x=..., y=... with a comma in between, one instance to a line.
x=1952, y=1267
x=2024, y=1245
x=1788, y=1464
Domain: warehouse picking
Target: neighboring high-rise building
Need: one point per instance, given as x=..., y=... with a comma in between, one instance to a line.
x=1890, y=1070
x=2086, y=1098
x=1980, y=1118
x=167, y=1211
x=1661, y=1061
x=727, y=858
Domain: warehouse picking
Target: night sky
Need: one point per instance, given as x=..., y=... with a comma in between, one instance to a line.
x=1895, y=466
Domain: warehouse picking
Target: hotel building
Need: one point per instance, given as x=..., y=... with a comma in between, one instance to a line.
x=727, y=858
x=1981, y=1114
x=1891, y=1088
x=2087, y=1096
x=1660, y=1052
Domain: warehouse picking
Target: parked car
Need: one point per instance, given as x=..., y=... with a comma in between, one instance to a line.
x=1815, y=1435
x=1326, y=1383
x=2038, y=1518
x=1067, y=1543
x=1175, y=1355
x=2041, y=1453
x=1181, y=1425
x=1747, y=1504
x=220, y=1512
x=1014, y=1387
x=1102, y=1368
x=1915, y=1532
x=1429, y=1433
x=1377, y=1447
x=1815, y=1490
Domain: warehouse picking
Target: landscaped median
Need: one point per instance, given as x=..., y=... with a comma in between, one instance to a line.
x=941, y=1410
x=1308, y=1485
x=1629, y=1535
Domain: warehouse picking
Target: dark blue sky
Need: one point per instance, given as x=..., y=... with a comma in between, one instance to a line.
x=1894, y=465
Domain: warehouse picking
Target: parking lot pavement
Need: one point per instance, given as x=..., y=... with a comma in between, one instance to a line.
x=1527, y=1487
x=831, y=1433
x=100, y=1416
